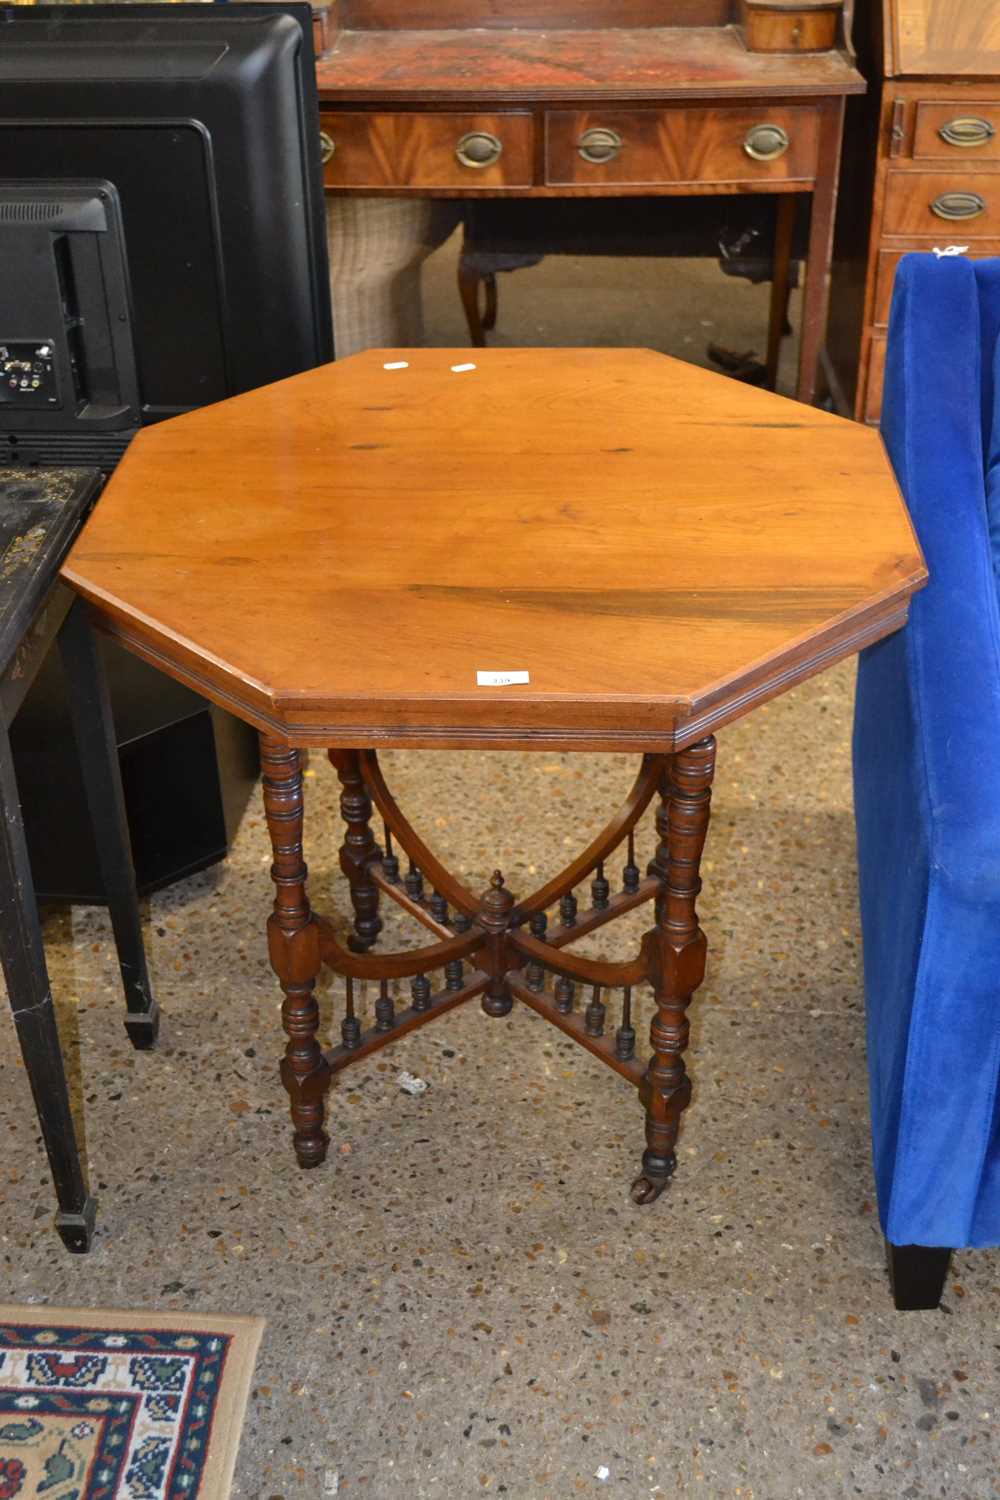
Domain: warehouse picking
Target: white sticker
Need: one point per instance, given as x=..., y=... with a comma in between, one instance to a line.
x=398, y=364
x=501, y=679
x=950, y=250
x=458, y=369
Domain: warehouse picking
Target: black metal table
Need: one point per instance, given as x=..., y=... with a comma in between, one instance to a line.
x=40, y=513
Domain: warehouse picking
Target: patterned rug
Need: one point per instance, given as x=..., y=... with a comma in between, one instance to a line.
x=121, y=1406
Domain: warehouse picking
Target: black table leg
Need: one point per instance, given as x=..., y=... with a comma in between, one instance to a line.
x=90, y=706
x=23, y=959
x=917, y=1274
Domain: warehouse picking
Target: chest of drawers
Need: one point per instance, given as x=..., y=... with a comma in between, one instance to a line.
x=921, y=167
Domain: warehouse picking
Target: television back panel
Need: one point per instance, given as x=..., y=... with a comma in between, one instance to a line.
x=202, y=122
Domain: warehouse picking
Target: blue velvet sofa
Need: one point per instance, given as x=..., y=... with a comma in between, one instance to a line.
x=927, y=789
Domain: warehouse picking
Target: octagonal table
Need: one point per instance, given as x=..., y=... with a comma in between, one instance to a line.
x=582, y=549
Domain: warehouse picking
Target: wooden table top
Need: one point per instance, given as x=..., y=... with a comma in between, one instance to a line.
x=337, y=556
x=483, y=66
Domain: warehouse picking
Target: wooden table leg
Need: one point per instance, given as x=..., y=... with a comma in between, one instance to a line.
x=23, y=958
x=468, y=290
x=358, y=850
x=294, y=950
x=97, y=747
x=816, y=294
x=678, y=957
x=780, y=277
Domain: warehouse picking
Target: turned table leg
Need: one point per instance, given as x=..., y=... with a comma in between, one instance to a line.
x=678, y=957
x=358, y=849
x=294, y=949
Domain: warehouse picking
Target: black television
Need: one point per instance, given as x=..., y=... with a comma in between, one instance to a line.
x=162, y=235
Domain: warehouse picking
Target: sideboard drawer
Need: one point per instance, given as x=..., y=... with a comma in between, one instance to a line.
x=403, y=150
x=962, y=130
x=956, y=205
x=647, y=147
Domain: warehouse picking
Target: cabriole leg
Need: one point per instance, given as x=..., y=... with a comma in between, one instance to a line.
x=678, y=958
x=293, y=946
x=27, y=979
x=358, y=849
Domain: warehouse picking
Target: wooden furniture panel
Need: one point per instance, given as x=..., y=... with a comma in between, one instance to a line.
x=948, y=38
x=411, y=150
x=962, y=133
x=888, y=260
x=617, y=64
x=950, y=204
x=874, y=380
x=647, y=146
x=431, y=15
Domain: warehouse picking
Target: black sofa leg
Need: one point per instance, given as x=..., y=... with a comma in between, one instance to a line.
x=917, y=1275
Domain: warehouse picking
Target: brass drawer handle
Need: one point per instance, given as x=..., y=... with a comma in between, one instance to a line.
x=599, y=145
x=327, y=146
x=766, y=142
x=970, y=130
x=958, y=206
x=479, y=149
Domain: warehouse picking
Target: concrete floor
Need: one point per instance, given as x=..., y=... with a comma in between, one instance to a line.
x=462, y=1301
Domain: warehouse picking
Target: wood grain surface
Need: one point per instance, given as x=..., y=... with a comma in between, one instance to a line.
x=544, y=15
x=336, y=556
x=404, y=149
x=651, y=62
x=950, y=37
x=909, y=195
x=681, y=145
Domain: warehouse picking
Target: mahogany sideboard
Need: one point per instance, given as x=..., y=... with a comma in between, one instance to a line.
x=596, y=98
x=921, y=167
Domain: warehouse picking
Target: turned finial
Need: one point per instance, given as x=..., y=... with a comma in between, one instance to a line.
x=495, y=903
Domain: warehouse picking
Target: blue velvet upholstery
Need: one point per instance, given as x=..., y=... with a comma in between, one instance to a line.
x=927, y=777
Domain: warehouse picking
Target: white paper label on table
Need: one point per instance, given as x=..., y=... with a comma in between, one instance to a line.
x=501, y=679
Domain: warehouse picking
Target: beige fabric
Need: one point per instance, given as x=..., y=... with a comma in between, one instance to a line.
x=377, y=247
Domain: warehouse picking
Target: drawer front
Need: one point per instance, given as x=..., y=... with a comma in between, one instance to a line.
x=954, y=205
x=888, y=260
x=961, y=130
x=402, y=150
x=647, y=147
x=874, y=380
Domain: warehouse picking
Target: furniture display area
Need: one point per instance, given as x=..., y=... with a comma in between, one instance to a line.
x=600, y=99
x=926, y=751
x=41, y=513
x=921, y=167
x=639, y=582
